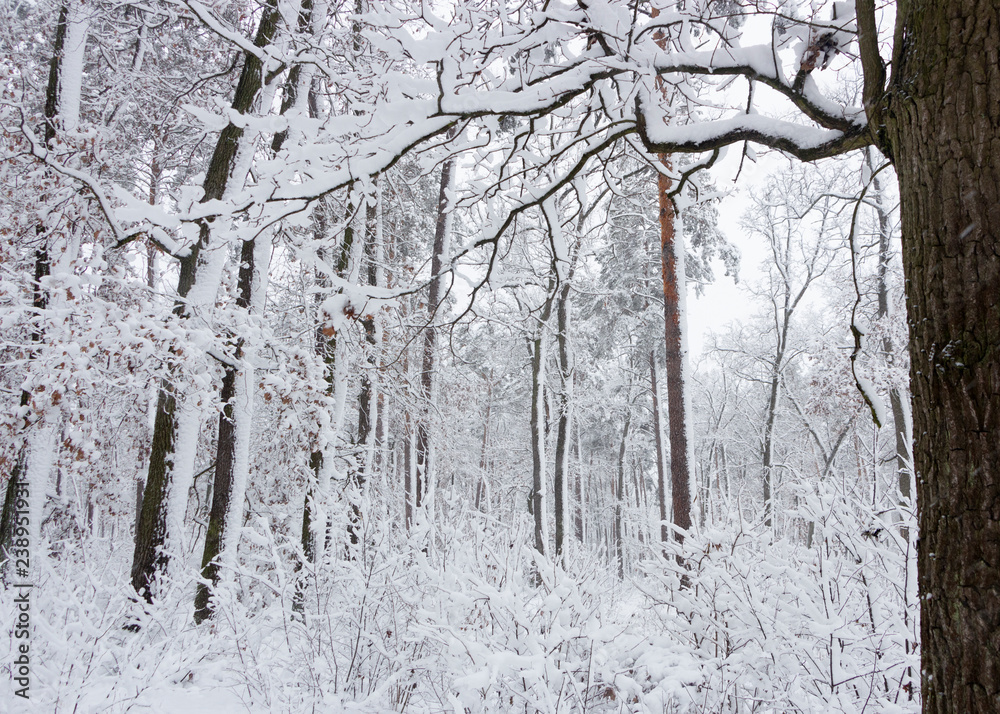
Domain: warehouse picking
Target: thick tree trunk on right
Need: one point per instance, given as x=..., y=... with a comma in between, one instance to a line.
x=943, y=124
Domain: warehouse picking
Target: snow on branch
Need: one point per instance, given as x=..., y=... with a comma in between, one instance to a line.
x=569, y=97
x=757, y=63
x=804, y=142
x=232, y=36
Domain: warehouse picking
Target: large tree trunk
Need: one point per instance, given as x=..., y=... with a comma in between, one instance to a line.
x=943, y=123
x=150, y=557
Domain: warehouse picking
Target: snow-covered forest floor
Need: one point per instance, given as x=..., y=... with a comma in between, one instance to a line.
x=757, y=626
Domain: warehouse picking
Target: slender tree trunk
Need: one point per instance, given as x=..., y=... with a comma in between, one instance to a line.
x=234, y=434
x=331, y=350
x=309, y=506
x=367, y=400
x=767, y=459
x=564, y=402
x=900, y=422
x=408, y=469
x=155, y=175
x=482, y=487
x=620, y=498
x=316, y=524
x=721, y=482
x=224, y=466
x=434, y=300
x=357, y=472
x=661, y=482
x=639, y=483
x=55, y=69
x=150, y=558
x=537, y=499
x=578, y=482
x=943, y=132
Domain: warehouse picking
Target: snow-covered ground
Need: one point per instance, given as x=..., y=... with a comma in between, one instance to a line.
x=478, y=624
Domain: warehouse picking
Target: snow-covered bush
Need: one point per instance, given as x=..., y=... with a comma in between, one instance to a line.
x=779, y=626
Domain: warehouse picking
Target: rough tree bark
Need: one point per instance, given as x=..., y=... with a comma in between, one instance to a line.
x=939, y=122
x=672, y=268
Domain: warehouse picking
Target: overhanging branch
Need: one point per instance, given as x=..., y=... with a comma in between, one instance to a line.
x=734, y=66
x=803, y=142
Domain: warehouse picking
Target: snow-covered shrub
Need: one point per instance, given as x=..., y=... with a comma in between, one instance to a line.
x=465, y=617
x=783, y=626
